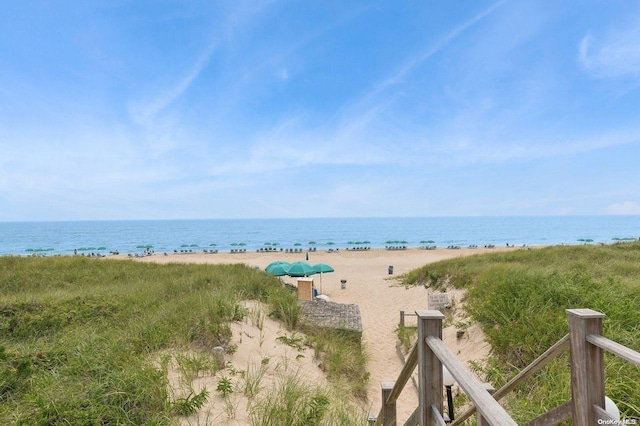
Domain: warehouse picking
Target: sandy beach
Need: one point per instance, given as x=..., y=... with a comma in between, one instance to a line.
x=379, y=297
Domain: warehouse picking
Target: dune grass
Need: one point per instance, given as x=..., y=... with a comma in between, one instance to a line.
x=520, y=298
x=294, y=402
x=343, y=359
x=79, y=337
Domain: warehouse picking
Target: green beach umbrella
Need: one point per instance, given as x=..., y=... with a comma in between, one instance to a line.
x=278, y=262
x=300, y=269
x=277, y=268
x=312, y=243
x=297, y=244
x=322, y=268
x=213, y=245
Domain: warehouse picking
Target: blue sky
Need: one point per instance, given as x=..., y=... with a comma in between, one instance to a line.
x=259, y=109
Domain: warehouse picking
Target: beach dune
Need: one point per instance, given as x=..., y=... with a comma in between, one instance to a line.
x=380, y=298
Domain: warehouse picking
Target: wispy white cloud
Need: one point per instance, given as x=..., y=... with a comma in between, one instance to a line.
x=624, y=208
x=413, y=62
x=466, y=150
x=143, y=112
x=237, y=16
x=283, y=74
x=488, y=92
x=612, y=54
x=361, y=132
x=294, y=143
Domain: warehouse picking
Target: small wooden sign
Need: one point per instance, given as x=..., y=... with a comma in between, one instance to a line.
x=438, y=301
x=305, y=289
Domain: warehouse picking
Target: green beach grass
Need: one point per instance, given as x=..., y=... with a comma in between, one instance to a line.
x=520, y=298
x=80, y=339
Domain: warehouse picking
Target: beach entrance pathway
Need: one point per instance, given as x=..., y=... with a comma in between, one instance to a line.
x=378, y=297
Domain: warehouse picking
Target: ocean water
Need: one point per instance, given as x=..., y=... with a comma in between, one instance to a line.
x=24, y=238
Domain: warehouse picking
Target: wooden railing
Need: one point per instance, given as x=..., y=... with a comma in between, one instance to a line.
x=586, y=406
x=403, y=315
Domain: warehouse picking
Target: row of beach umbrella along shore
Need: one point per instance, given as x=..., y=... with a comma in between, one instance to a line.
x=275, y=246
x=267, y=245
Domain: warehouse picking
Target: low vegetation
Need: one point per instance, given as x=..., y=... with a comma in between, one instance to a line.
x=81, y=338
x=520, y=298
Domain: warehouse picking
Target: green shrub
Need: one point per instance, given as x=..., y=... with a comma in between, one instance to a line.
x=520, y=297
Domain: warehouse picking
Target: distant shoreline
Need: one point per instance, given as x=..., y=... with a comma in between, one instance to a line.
x=245, y=253
x=103, y=237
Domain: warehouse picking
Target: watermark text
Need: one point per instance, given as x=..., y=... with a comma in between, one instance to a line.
x=618, y=422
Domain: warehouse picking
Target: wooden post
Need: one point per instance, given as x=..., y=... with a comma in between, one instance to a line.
x=587, y=365
x=401, y=319
x=388, y=409
x=429, y=367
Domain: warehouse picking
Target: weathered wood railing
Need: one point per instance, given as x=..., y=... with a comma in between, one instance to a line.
x=403, y=315
x=586, y=406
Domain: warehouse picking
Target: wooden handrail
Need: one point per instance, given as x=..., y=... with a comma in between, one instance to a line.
x=403, y=378
x=587, y=401
x=601, y=413
x=413, y=418
x=615, y=348
x=490, y=409
x=438, y=419
x=404, y=314
x=405, y=374
x=549, y=355
x=555, y=416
